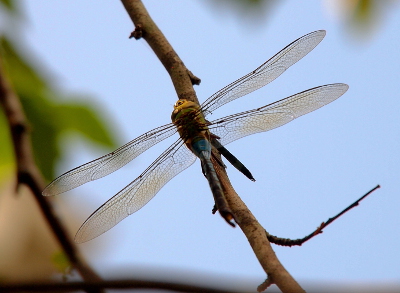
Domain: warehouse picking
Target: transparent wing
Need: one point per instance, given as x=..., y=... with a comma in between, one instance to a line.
x=266, y=73
x=108, y=163
x=138, y=193
x=233, y=127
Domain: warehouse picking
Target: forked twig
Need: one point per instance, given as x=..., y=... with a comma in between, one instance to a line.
x=292, y=242
x=264, y=286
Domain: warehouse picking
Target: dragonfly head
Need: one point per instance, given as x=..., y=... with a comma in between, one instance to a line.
x=183, y=106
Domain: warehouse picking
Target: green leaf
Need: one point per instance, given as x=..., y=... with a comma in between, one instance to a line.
x=245, y=5
x=82, y=118
x=9, y=4
x=7, y=165
x=49, y=118
x=61, y=262
x=24, y=78
x=363, y=11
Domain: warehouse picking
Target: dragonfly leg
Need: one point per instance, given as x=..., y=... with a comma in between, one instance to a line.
x=203, y=149
x=219, y=198
x=215, y=209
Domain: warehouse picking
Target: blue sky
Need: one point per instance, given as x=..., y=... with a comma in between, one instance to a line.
x=306, y=171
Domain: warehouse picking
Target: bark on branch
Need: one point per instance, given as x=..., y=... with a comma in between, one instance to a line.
x=145, y=27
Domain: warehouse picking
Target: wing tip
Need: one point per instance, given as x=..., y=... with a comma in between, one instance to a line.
x=82, y=236
x=320, y=33
x=49, y=190
x=343, y=86
x=78, y=239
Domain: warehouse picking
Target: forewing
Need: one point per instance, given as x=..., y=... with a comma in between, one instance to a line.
x=266, y=73
x=233, y=127
x=138, y=193
x=108, y=163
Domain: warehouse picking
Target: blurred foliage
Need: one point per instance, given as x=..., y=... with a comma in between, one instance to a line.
x=49, y=119
x=249, y=11
x=359, y=16
x=367, y=13
x=363, y=16
x=6, y=151
x=247, y=4
x=9, y=4
x=61, y=262
x=363, y=10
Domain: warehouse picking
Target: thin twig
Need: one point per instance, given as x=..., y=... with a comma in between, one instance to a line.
x=29, y=174
x=292, y=242
x=262, y=287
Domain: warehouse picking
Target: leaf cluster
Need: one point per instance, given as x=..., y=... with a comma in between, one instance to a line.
x=51, y=113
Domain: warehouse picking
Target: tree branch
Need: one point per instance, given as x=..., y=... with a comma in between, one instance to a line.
x=114, y=284
x=29, y=174
x=183, y=80
x=256, y=235
x=181, y=77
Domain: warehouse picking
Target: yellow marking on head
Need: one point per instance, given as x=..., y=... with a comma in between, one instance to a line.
x=184, y=104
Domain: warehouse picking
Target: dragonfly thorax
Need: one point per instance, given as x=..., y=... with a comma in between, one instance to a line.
x=189, y=121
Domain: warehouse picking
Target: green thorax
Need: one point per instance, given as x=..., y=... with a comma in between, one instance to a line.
x=189, y=121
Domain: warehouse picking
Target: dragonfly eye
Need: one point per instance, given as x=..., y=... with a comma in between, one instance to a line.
x=179, y=102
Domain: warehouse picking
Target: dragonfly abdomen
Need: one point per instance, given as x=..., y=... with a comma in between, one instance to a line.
x=201, y=147
x=212, y=178
x=220, y=202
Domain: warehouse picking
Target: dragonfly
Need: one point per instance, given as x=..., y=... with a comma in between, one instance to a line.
x=197, y=137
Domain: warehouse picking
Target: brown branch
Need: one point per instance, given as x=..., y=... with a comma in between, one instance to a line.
x=257, y=238
x=114, y=284
x=181, y=77
x=292, y=242
x=183, y=80
x=29, y=174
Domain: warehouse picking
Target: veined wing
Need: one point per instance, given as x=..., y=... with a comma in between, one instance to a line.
x=108, y=163
x=138, y=193
x=233, y=127
x=266, y=73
